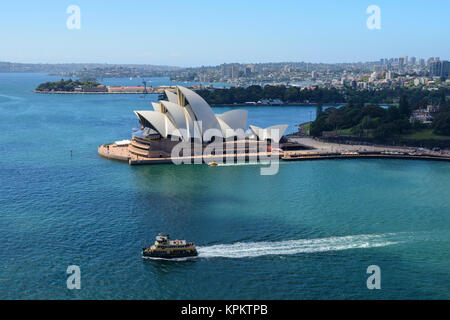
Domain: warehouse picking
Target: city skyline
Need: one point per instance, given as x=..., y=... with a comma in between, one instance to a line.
x=410, y=60
x=139, y=32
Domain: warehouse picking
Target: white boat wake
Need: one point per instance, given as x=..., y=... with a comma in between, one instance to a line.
x=257, y=249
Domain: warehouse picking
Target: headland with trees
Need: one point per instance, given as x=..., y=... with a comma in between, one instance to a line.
x=71, y=86
x=417, y=122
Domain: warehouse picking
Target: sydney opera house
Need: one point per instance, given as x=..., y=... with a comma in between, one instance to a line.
x=187, y=117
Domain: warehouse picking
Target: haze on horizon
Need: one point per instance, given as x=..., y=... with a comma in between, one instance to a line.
x=185, y=34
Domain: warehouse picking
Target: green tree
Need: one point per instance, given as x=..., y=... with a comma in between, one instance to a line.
x=393, y=113
x=370, y=123
x=319, y=110
x=274, y=92
x=404, y=106
x=442, y=124
x=384, y=131
x=374, y=111
x=291, y=95
x=442, y=99
x=318, y=126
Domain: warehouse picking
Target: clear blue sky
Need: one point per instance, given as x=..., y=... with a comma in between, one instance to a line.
x=210, y=32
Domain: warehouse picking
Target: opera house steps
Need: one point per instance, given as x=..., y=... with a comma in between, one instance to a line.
x=137, y=151
x=139, y=145
x=142, y=141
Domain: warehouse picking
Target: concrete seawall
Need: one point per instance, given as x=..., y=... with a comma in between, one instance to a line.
x=121, y=153
x=365, y=156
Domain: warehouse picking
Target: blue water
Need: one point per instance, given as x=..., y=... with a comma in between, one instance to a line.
x=156, y=82
x=309, y=232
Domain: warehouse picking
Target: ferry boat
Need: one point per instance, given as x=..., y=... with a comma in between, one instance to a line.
x=164, y=248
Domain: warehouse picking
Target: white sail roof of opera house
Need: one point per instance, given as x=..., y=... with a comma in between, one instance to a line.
x=172, y=97
x=200, y=108
x=160, y=122
x=236, y=119
x=179, y=117
x=187, y=115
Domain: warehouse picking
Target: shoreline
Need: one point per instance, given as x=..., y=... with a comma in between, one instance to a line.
x=288, y=104
x=73, y=92
x=299, y=104
x=120, y=153
x=367, y=156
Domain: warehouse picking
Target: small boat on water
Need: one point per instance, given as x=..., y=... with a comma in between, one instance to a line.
x=212, y=164
x=164, y=248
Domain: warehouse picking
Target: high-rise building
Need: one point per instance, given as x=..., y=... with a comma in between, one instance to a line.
x=440, y=68
x=403, y=61
x=412, y=61
x=445, y=68
x=235, y=71
x=247, y=71
x=226, y=70
x=435, y=68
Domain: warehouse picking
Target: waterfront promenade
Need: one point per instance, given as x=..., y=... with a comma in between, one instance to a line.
x=315, y=150
x=322, y=147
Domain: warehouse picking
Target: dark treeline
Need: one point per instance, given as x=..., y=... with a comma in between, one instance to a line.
x=377, y=122
x=256, y=93
x=283, y=93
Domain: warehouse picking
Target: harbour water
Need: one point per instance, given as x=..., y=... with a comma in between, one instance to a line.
x=309, y=232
